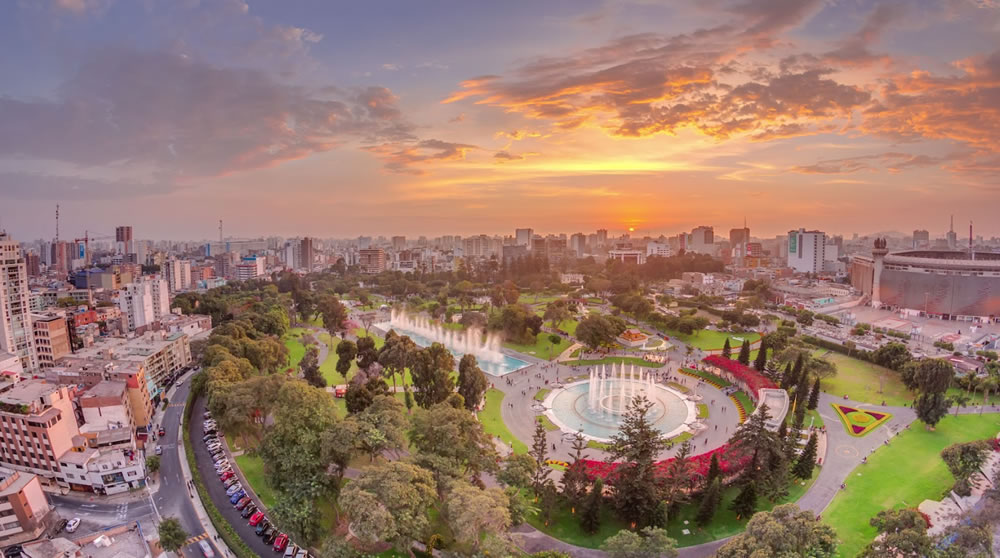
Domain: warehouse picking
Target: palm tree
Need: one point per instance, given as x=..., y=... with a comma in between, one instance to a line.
x=960, y=400
x=990, y=385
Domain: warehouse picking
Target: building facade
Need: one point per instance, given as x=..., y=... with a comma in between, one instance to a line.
x=51, y=338
x=806, y=251
x=178, y=274
x=37, y=426
x=23, y=507
x=372, y=260
x=16, y=334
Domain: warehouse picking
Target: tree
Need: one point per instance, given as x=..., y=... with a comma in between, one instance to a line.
x=746, y=501
x=473, y=513
x=291, y=448
x=309, y=365
x=753, y=438
x=361, y=392
x=172, y=535
x=396, y=355
x=714, y=470
x=903, y=535
x=727, y=350
x=892, y=356
x=381, y=426
x=518, y=470
x=389, y=503
x=651, y=542
x=783, y=531
x=334, y=313
x=597, y=330
x=451, y=443
x=760, y=363
x=744, y=357
x=678, y=478
x=930, y=375
x=153, y=463
x=960, y=400
x=430, y=371
x=636, y=446
x=931, y=408
x=710, y=499
x=556, y=312
x=295, y=509
x=367, y=354
x=814, y=396
x=539, y=452
x=574, y=479
x=965, y=460
x=472, y=382
x=554, y=340
x=807, y=459
x=590, y=518
x=347, y=351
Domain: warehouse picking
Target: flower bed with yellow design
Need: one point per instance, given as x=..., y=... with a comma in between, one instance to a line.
x=859, y=422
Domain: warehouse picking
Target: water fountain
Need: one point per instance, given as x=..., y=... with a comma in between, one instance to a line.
x=484, y=346
x=594, y=407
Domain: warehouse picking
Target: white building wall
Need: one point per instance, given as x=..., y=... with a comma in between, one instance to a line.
x=806, y=251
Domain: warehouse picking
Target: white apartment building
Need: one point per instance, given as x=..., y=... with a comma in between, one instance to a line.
x=142, y=303
x=702, y=241
x=102, y=471
x=806, y=251
x=178, y=274
x=249, y=267
x=661, y=249
x=16, y=334
x=522, y=237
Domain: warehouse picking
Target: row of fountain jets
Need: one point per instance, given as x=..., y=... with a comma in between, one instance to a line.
x=485, y=347
x=612, y=390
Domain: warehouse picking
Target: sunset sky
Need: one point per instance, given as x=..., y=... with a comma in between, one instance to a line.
x=325, y=118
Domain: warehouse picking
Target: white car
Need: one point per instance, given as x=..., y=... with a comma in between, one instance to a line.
x=159, y=450
x=73, y=525
x=206, y=549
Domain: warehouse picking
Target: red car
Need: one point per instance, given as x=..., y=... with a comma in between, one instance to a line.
x=227, y=475
x=280, y=543
x=256, y=518
x=162, y=433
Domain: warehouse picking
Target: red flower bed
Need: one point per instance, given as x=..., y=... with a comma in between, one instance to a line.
x=727, y=463
x=754, y=380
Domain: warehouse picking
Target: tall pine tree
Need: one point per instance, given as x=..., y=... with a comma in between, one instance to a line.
x=744, y=357
x=590, y=519
x=574, y=479
x=637, y=444
x=709, y=503
x=727, y=350
x=761, y=361
x=746, y=501
x=807, y=459
x=539, y=451
x=786, y=378
x=814, y=396
x=714, y=470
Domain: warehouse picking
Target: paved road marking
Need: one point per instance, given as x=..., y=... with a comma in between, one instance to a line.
x=193, y=540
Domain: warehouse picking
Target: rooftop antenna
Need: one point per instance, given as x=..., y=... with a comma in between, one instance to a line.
x=57, y=222
x=972, y=253
x=220, y=230
x=952, y=229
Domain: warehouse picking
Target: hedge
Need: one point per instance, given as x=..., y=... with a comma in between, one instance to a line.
x=225, y=529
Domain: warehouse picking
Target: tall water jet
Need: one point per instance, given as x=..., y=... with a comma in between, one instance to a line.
x=485, y=346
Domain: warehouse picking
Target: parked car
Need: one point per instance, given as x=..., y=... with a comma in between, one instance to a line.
x=243, y=502
x=256, y=518
x=249, y=510
x=206, y=549
x=234, y=488
x=237, y=496
x=161, y=432
x=73, y=525
x=302, y=553
x=263, y=526
x=61, y=525
x=269, y=537
x=159, y=450
x=291, y=550
x=227, y=475
x=207, y=414
x=230, y=481
x=280, y=542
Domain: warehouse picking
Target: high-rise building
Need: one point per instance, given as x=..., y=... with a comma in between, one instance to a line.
x=701, y=241
x=372, y=260
x=51, y=338
x=661, y=249
x=62, y=256
x=921, y=239
x=123, y=240
x=738, y=239
x=806, y=250
x=307, y=255
x=952, y=236
x=143, y=302
x=522, y=237
x=33, y=264
x=249, y=267
x=178, y=274
x=16, y=335
x=578, y=244
x=25, y=507
x=399, y=243
x=602, y=238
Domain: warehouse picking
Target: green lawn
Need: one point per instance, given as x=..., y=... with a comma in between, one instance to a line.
x=252, y=468
x=712, y=340
x=745, y=401
x=859, y=380
x=974, y=400
x=493, y=423
x=614, y=360
x=812, y=415
x=548, y=424
x=702, y=411
x=541, y=394
x=296, y=350
x=879, y=485
x=541, y=348
x=708, y=376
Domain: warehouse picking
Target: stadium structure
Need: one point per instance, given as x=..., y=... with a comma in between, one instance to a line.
x=948, y=284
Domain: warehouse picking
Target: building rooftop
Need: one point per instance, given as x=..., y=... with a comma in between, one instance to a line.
x=15, y=483
x=105, y=388
x=27, y=392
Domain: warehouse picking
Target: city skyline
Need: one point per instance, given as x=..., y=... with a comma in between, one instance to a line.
x=569, y=116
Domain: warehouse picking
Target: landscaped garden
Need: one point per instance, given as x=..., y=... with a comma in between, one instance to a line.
x=711, y=340
x=542, y=347
x=860, y=422
x=614, y=360
x=493, y=423
x=865, y=382
x=901, y=475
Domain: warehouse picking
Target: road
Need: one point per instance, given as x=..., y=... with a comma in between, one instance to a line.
x=217, y=490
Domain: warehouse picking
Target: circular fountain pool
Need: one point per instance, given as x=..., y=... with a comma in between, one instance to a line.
x=574, y=409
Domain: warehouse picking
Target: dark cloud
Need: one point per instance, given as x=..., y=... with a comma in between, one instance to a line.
x=175, y=115
x=854, y=50
x=890, y=161
x=507, y=156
